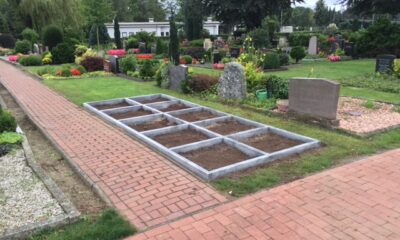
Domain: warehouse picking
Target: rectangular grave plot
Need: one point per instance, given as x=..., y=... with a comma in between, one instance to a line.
x=171, y=106
x=153, y=122
x=152, y=99
x=228, y=125
x=217, y=154
x=112, y=104
x=179, y=136
x=270, y=140
x=197, y=114
x=131, y=112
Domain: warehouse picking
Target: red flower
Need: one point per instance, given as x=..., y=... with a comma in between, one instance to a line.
x=75, y=72
x=116, y=52
x=144, y=56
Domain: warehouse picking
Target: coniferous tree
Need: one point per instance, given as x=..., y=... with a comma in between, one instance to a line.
x=321, y=13
x=117, y=34
x=193, y=16
x=173, y=41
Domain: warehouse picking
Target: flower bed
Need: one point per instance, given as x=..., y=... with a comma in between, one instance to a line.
x=13, y=58
x=116, y=52
x=144, y=56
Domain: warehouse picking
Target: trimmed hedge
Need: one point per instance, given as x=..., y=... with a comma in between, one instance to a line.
x=7, y=41
x=32, y=60
x=63, y=53
x=23, y=46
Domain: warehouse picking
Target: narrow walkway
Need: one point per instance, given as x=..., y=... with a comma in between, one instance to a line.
x=144, y=186
x=358, y=201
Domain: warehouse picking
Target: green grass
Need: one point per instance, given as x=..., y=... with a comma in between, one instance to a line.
x=108, y=226
x=338, y=146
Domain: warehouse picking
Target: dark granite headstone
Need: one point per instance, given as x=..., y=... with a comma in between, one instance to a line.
x=384, y=63
x=176, y=75
x=316, y=98
x=107, y=66
x=114, y=64
x=349, y=49
x=216, y=57
x=235, y=52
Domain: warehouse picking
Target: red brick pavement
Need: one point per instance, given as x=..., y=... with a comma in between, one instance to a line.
x=144, y=186
x=358, y=201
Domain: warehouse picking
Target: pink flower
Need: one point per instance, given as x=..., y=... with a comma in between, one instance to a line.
x=218, y=66
x=116, y=52
x=13, y=58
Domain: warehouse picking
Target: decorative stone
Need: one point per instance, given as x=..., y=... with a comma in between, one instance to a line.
x=207, y=44
x=282, y=43
x=177, y=74
x=313, y=46
x=316, y=98
x=232, y=84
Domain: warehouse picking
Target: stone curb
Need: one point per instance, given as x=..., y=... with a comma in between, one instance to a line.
x=72, y=214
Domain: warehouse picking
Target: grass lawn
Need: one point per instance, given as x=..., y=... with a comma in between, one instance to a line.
x=339, y=147
x=344, y=72
x=107, y=226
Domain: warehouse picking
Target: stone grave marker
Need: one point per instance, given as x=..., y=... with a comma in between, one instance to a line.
x=313, y=46
x=316, y=98
x=177, y=74
x=216, y=56
x=384, y=63
x=235, y=52
x=349, y=49
x=282, y=43
x=232, y=84
x=207, y=44
x=114, y=64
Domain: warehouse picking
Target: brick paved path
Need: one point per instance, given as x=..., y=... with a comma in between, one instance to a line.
x=358, y=201
x=147, y=188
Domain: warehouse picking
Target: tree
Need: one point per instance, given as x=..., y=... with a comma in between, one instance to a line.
x=249, y=12
x=146, y=9
x=97, y=11
x=321, y=13
x=98, y=35
x=302, y=17
x=193, y=18
x=52, y=36
x=373, y=6
x=173, y=41
x=117, y=34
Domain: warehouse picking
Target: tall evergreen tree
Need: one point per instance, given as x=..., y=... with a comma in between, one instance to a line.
x=193, y=17
x=321, y=13
x=117, y=33
x=173, y=41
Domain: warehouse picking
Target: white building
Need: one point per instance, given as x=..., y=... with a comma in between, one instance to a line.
x=161, y=29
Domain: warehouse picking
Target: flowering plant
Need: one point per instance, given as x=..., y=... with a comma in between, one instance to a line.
x=116, y=52
x=334, y=58
x=75, y=72
x=218, y=66
x=144, y=56
x=13, y=58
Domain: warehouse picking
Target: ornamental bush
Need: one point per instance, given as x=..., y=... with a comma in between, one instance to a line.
x=284, y=59
x=298, y=53
x=52, y=36
x=7, y=41
x=271, y=60
x=132, y=42
x=128, y=64
x=30, y=35
x=23, y=46
x=92, y=64
x=63, y=53
x=186, y=59
x=147, y=71
x=260, y=37
x=7, y=121
x=202, y=82
x=31, y=60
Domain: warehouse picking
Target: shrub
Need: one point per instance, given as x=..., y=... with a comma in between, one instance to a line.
x=92, y=64
x=52, y=36
x=271, y=60
x=202, y=82
x=63, y=53
x=31, y=60
x=162, y=75
x=132, y=42
x=196, y=52
x=147, y=71
x=81, y=69
x=80, y=50
x=63, y=72
x=161, y=47
x=23, y=47
x=298, y=53
x=30, y=35
x=196, y=43
x=283, y=59
x=277, y=87
x=47, y=58
x=128, y=64
x=396, y=67
x=299, y=39
x=260, y=38
x=75, y=72
x=10, y=138
x=7, y=41
x=186, y=59
x=101, y=38
x=45, y=70
x=7, y=122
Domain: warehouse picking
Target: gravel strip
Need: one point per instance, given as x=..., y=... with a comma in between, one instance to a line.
x=359, y=119
x=24, y=199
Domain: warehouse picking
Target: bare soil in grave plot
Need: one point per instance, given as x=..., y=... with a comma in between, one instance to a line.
x=217, y=156
x=229, y=127
x=155, y=100
x=197, y=116
x=175, y=107
x=84, y=199
x=130, y=114
x=112, y=106
x=270, y=142
x=160, y=123
x=180, y=138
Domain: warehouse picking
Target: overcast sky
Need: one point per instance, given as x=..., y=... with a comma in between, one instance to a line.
x=311, y=3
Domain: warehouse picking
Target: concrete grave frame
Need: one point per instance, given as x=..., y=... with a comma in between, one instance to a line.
x=256, y=156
